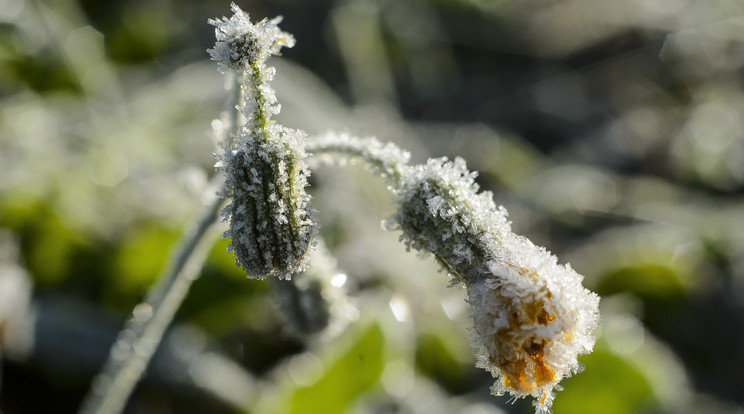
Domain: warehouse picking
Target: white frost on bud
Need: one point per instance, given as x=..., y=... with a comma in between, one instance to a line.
x=532, y=318
x=242, y=44
x=440, y=211
x=271, y=224
x=531, y=315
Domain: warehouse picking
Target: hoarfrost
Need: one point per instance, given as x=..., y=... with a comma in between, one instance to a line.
x=531, y=315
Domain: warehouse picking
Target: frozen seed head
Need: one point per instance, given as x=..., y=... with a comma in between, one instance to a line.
x=531, y=315
x=272, y=226
x=242, y=44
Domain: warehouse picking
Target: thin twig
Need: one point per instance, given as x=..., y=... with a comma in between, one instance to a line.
x=137, y=342
x=142, y=334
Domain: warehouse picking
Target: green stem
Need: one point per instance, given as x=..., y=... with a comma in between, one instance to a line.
x=139, y=339
x=143, y=332
x=259, y=112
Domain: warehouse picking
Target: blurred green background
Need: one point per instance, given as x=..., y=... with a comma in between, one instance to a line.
x=611, y=131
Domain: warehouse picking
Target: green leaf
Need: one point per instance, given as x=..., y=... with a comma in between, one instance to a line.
x=143, y=255
x=48, y=246
x=609, y=385
x=355, y=371
x=435, y=359
x=49, y=249
x=647, y=280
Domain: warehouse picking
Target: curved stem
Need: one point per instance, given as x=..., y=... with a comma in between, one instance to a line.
x=142, y=334
x=386, y=160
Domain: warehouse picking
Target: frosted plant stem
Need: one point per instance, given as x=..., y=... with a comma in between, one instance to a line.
x=386, y=160
x=139, y=339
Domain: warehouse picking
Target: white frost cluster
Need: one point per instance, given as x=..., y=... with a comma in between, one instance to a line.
x=242, y=44
x=272, y=226
x=531, y=315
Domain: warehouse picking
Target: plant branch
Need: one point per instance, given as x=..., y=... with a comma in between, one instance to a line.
x=139, y=339
x=386, y=160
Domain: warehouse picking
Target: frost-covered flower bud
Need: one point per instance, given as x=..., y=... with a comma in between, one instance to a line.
x=439, y=211
x=316, y=302
x=531, y=315
x=532, y=318
x=271, y=223
x=242, y=44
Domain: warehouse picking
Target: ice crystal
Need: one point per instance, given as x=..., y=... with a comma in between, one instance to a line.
x=531, y=315
x=272, y=226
